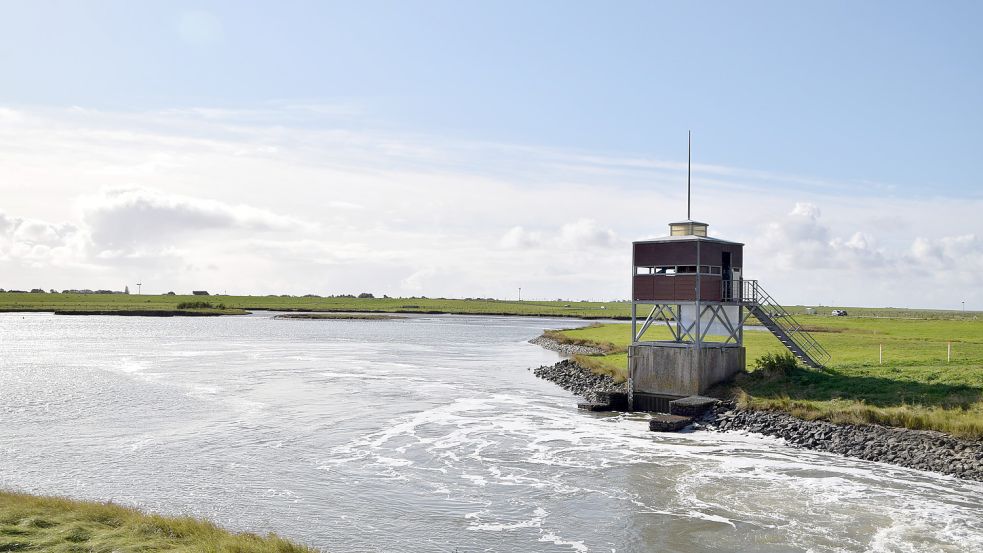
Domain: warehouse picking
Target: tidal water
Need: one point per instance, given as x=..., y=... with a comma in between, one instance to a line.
x=422, y=434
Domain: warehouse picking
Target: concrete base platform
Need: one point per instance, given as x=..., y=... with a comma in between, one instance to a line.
x=678, y=370
x=692, y=406
x=668, y=423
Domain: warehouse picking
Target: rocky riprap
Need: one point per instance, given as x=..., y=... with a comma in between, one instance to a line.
x=917, y=449
x=580, y=381
x=565, y=349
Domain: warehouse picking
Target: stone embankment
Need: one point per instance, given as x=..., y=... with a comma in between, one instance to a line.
x=580, y=381
x=565, y=349
x=917, y=449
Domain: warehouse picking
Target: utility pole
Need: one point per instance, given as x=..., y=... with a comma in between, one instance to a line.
x=138, y=288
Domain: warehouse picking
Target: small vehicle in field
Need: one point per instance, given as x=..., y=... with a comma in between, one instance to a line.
x=838, y=313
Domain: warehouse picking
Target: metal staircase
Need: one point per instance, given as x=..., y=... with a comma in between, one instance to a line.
x=780, y=322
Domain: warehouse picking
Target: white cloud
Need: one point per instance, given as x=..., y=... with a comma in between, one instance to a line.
x=953, y=264
x=948, y=251
x=518, y=237
x=801, y=240
x=126, y=218
x=37, y=244
x=579, y=235
x=586, y=233
x=244, y=201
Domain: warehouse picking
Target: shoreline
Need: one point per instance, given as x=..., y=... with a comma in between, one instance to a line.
x=565, y=349
x=572, y=377
x=249, y=310
x=917, y=449
x=141, y=313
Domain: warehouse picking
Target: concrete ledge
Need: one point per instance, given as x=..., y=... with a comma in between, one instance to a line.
x=692, y=406
x=668, y=423
x=594, y=406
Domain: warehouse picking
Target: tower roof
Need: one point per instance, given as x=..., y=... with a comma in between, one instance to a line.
x=687, y=230
x=688, y=238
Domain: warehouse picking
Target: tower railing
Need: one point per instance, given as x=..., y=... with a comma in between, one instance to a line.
x=776, y=319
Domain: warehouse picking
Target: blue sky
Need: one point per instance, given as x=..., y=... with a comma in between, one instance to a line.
x=848, y=123
x=886, y=92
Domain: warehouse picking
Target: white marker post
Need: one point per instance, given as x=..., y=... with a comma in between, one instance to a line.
x=948, y=352
x=880, y=354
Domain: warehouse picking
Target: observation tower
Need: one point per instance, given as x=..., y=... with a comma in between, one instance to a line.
x=689, y=304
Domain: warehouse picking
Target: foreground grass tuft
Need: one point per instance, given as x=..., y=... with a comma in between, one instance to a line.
x=31, y=523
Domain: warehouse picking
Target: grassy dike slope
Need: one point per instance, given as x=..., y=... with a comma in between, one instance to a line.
x=914, y=388
x=31, y=523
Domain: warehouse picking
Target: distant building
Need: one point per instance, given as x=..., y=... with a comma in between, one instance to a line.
x=200, y=292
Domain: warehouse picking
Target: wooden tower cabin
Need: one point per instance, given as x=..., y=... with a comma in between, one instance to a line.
x=689, y=304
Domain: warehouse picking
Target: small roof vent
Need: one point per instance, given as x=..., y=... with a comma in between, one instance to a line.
x=688, y=228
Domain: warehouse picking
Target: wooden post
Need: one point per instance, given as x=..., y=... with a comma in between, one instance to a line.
x=880, y=354
x=948, y=352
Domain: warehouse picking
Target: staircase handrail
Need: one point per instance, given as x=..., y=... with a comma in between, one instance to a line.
x=798, y=334
x=749, y=292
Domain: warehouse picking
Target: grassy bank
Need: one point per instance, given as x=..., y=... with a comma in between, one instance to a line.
x=915, y=387
x=31, y=523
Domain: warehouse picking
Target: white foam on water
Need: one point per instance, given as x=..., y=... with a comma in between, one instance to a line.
x=807, y=490
x=822, y=482
x=551, y=537
x=536, y=521
x=475, y=479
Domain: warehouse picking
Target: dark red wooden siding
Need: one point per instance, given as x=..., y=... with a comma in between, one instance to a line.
x=684, y=253
x=675, y=288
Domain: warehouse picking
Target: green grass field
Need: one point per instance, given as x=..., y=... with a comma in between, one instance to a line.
x=31, y=523
x=915, y=387
x=239, y=304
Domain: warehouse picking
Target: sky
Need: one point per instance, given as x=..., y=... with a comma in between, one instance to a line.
x=466, y=149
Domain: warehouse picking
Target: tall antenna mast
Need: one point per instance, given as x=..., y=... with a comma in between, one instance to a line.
x=689, y=164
